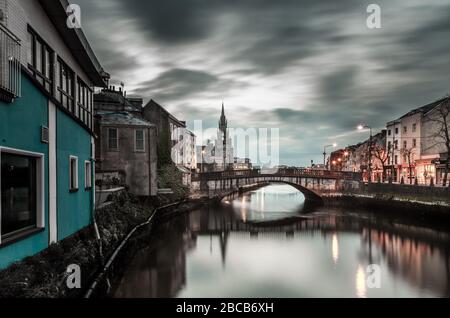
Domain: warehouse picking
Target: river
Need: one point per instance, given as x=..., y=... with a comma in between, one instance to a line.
x=262, y=245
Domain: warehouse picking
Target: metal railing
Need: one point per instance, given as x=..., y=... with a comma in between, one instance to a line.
x=10, y=67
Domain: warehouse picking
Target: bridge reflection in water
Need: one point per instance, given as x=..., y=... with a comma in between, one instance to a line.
x=217, y=252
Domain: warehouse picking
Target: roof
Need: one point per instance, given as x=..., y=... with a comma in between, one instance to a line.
x=115, y=98
x=122, y=118
x=75, y=40
x=153, y=103
x=424, y=109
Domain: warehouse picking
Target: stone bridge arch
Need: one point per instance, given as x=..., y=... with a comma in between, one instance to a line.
x=313, y=184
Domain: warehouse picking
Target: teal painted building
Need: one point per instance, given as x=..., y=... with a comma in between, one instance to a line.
x=47, y=77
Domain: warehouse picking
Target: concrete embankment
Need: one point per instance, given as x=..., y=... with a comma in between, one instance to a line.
x=388, y=204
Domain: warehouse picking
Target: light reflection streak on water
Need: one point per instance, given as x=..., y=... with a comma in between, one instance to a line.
x=361, y=288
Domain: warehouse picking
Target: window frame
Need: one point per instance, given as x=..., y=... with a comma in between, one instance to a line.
x=117, y=138
x=40, y=194
x=84, y=105
x=40, y=72
x=73, y=187
x=67, y=92
x=87, y=175
x=135, y=140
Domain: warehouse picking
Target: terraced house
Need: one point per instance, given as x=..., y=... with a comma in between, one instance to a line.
x=47, y=76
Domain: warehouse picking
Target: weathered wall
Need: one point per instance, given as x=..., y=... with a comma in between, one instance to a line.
x=138, y=168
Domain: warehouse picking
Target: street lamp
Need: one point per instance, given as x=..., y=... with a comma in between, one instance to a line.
x=325, y=154
x=362, y=127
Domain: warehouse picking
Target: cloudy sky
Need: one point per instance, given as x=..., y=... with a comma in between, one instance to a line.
x=308, y=67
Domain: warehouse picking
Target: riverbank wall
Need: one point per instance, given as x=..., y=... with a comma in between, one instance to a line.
x=413, y=193
x=406, y=200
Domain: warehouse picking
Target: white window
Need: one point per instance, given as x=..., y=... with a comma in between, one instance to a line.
x=73, y=173
x=87, y=175
x=139, y=140
x=113, y=139
x=22, y=193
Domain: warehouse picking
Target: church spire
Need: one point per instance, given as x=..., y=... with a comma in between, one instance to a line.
x=223, y=123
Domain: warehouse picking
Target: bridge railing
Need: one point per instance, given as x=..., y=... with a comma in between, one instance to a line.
x=255, y=173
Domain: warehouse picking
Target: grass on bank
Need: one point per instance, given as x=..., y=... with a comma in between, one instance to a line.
x=44, y=275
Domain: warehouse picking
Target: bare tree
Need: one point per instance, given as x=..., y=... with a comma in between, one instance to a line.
x=408, y=154
x=439, y=117
x=382, y=154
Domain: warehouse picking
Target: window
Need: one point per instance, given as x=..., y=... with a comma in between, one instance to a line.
x=389, y=145
x=396, y=145
x=139, y=140
x=389, y=132
x=405, y=129
x=414, y=127
x=405, y=144
x=84, y=104
x=22, y=195
x=113, y=139
x=87, y=175
x=65, y=87
x=396, y=160
x=73, y=173
x=414, y=143
x=396, y=131
x=40, y=60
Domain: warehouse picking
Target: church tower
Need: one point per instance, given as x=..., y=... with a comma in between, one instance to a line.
x=223, y=130
x=223, y=123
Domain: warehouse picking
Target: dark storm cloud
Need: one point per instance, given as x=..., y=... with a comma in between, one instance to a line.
x=181, y=21
x=178, y=84
x=171, y=20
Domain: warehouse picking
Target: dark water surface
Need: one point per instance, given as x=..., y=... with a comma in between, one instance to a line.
x=261, y=245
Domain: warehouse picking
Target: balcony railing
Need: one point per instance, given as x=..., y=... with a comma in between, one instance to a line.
x=10, y=67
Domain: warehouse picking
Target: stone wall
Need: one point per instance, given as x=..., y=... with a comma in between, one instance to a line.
x=400, y=191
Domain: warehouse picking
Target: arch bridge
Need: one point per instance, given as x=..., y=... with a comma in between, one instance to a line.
x=312, y=183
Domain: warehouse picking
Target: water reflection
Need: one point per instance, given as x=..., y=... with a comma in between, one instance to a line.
x=361, y=286
x=270, y=203
x=335, y=248
x=217, y=252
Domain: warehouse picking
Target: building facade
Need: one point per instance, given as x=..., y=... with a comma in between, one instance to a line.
x=126, y=144
x=175, y=143
x=359, y=158
x=415, y=152
x=48, y=74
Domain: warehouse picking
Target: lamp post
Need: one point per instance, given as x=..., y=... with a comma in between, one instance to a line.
x=325, y=154
x=362, y=127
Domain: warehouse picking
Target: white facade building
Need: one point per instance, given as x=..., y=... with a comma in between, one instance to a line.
x=410, y=141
